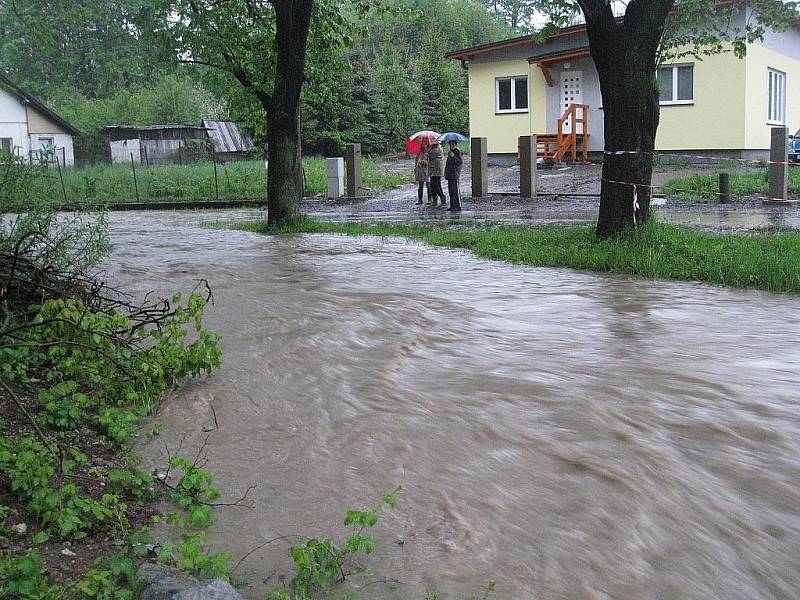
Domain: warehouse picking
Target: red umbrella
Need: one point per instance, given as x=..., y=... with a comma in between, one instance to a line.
x=417, y=140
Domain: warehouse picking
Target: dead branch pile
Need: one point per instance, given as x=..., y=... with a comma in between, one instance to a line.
x=31, y=275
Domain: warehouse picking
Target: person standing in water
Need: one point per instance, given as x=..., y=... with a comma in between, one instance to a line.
x=421, y=174
x=436, y=171
x=452, y=172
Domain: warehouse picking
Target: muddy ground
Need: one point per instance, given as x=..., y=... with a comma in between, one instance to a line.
x=567, y=194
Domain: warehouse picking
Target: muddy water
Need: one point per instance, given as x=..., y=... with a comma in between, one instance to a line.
x=570, y=435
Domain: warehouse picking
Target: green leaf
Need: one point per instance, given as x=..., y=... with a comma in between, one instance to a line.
x=41, y=537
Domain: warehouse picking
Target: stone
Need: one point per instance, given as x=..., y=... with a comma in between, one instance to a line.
x=160, y=473
x=165, y=583
x=19, y=529
x=68, y=552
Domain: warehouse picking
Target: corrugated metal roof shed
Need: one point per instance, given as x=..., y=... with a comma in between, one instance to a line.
x=154, y=127
x=226, y=136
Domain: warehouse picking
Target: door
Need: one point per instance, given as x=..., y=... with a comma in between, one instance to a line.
x=571, y=93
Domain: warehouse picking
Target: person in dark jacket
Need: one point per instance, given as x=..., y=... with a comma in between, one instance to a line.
x=436, y=170
x=452, y=172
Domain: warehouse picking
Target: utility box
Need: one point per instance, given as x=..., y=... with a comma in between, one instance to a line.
x=335, y=167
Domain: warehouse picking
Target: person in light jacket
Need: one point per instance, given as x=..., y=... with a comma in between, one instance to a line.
x=421, y=174
x=452, y=172
x=436, y=171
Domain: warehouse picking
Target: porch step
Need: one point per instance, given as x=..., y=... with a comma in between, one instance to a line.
x=549, y=146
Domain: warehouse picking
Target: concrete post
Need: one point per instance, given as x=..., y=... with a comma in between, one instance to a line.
x=778, y=169
x=480, y=167
x=352, y=157
x=527, y=166
x=335, y=168
x=724, y=188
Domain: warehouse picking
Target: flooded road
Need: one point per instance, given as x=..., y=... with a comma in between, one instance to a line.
x=571, y=435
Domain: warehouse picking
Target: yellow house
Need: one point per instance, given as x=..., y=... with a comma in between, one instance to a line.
x=721, y=105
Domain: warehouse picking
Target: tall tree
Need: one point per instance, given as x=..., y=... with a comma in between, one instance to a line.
x=518, y=14
x=90, y=46
x=263, y=46
x=626, y=50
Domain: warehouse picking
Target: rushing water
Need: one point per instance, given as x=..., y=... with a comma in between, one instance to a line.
x=573, y=436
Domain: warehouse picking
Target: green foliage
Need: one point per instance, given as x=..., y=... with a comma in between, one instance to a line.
x=192, y=556
x=20, y=183
x=35, y=233
x=61, y=508
x=24, y=577
x=396, y=102
x=320, y=561
x=94, y=47
x=519, y=14
x=80, y=364
x=194, y=491
x=700, y=28
x=137, y=484
x=113, y=578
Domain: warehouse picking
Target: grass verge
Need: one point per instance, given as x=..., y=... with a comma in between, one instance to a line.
x=657, y=251
x=108, y=185
x=706, y=187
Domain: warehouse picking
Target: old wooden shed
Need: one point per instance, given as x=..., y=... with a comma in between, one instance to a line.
x=171, y=143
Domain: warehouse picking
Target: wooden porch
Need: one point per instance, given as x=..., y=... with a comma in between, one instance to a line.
x=572, y=139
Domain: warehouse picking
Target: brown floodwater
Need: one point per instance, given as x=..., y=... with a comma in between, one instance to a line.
x=570, y=435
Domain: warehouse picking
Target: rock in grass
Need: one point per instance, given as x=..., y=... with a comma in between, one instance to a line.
x=19, y=529
x=68, y=552
x=165, y=583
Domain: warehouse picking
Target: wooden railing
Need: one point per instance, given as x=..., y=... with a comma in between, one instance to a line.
x=556, y=146
x=568, y=140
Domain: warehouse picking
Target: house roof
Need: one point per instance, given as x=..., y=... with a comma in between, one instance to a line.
x=536, y=41
x=226, y=136
x=27, y=98
x=532, y=40
x=577, y=52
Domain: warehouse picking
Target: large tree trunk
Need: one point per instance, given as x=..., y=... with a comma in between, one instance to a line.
x=630, y=111
x=624, y=53
x=285, y=170
x=285, y=173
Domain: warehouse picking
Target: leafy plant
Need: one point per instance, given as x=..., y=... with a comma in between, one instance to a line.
x=320, y=562
x=194, y=491
x=194, y=558
x=24, y=577
x=112, y=579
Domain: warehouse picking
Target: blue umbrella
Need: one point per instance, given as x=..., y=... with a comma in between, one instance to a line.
x=452, y=136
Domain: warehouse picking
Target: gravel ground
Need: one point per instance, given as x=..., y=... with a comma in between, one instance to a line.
x=399, y=205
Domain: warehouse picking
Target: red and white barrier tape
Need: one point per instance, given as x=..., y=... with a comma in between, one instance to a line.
x=760, y=161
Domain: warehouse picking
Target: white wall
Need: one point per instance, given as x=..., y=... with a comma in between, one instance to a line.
x=591, y=96
x=121, y=151
x=14, y=122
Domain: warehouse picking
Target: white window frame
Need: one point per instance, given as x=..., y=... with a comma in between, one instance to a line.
x=776, y=103
x=513, y=109
x=675, y=101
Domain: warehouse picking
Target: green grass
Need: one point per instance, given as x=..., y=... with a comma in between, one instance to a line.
x=659, y=251
x=107, y=185
x=706, y=187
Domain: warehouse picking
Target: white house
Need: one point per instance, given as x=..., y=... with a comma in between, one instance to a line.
x=31, y=130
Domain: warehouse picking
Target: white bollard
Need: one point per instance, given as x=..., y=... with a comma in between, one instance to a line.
x=335, y=168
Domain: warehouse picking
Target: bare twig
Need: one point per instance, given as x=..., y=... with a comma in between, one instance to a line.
x=260, y=546
x=57, y=455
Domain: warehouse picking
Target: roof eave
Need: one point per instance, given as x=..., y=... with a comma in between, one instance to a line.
x=28, y=98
